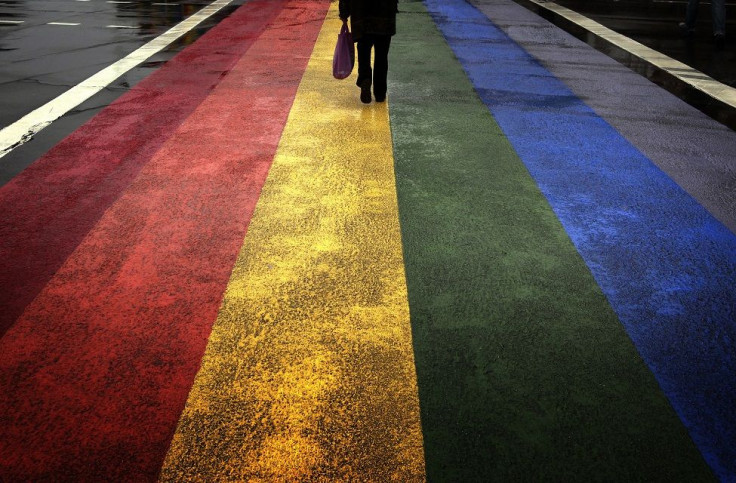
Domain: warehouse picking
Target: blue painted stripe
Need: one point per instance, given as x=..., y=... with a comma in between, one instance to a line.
x=666, y=265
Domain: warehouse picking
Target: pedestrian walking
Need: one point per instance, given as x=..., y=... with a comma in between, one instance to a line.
x=373, y=23
x=718, y=12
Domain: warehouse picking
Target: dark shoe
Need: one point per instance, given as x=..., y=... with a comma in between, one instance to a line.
x=380, y=97
x=365, y=93
x=685, y=30
x=720, y=41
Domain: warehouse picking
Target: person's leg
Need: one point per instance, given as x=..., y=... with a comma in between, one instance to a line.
x=718, y=10
x=365, y=73
x=691, y=14
x=380, y=68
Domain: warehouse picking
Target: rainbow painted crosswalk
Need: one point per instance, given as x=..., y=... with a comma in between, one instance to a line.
x=270, y=281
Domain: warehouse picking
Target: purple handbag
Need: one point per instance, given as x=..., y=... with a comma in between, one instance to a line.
x=344, y=58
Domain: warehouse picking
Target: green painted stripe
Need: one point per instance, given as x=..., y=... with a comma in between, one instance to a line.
x=524, y=371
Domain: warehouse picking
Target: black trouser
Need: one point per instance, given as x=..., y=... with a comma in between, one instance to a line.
x=380, y=69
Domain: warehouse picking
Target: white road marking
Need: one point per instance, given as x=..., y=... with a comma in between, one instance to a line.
x=70, y=24
x=696, y=79
x=22, y=130
x=122, y=27
x=12, y=22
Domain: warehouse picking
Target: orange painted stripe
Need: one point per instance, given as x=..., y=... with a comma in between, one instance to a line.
x=309, y=371
x=96, y=372
x=48, y=209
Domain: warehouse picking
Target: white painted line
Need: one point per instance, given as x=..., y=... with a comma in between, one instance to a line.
x=117, y=1
x=83, y=0
x=26, y=127
x=687, y=74
x=12, y=22
x=69, y=24
x=166, y=4
x=122, y=27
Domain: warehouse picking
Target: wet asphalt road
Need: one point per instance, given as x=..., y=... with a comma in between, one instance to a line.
x=43, y=54
x=531, y=239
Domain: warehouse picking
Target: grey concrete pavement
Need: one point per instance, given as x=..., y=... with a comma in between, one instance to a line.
x=645, y=37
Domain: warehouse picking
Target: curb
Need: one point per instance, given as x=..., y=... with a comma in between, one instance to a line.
x=714, y=98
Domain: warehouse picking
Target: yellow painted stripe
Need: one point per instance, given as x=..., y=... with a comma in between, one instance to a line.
x=309, y=370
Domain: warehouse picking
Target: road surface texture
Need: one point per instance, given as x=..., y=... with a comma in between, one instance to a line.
x=520, y=267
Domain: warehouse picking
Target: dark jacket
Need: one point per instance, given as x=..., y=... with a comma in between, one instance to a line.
x=375, y=17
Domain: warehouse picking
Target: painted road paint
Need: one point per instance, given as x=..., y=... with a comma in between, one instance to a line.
x=25, y=128
x=94, y=375
x=663, y=127
x=309, y=374
x=524, y=371
x=666, y=265
x=68, y=24
x=47, y=209
x=11, y=22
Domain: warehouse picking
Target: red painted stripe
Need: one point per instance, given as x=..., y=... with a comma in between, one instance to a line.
x=48, y=209
x=95, y=373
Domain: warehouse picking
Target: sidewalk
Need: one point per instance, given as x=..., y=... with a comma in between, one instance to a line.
x=519, y=267
x=653, y=24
